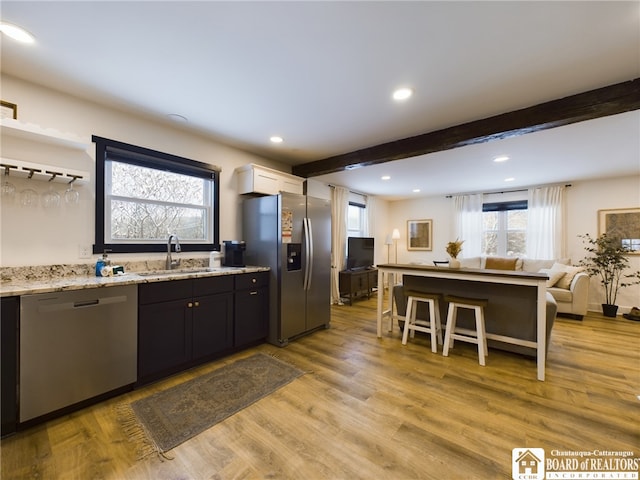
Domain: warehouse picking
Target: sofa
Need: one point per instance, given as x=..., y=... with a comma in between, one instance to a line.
x=568, y=285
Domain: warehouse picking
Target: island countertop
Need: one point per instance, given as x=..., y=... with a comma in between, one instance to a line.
x=424, y=269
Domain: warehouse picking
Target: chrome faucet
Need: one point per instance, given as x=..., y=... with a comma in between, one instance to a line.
x=172, y=263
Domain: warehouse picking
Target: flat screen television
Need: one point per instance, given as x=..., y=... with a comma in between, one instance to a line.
x=359, y=253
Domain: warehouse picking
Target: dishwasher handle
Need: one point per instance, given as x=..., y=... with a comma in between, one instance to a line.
x=96, y=302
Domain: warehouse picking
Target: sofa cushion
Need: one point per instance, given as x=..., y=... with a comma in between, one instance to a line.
x=554, y=276
x=570, y=272
x=498, y=263
x=534, y=265
x=471, y=262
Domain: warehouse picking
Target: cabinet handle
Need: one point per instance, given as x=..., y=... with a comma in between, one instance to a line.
x=253, y=280
x=197, y=304
x=253, y=293
x=190, y=305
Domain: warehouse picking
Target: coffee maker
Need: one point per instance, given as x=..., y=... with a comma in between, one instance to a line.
x=234, y=253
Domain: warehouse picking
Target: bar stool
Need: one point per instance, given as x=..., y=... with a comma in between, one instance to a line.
x=433, y=326
x=477, y=336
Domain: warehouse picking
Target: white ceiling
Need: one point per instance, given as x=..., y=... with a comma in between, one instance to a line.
x=320, y=74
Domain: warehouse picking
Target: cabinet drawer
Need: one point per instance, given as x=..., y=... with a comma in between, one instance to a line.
x=212, y=285
x=251, y=280
x=164, y=291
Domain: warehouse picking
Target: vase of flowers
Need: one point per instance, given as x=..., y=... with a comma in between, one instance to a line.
x=454, y=249
x=607, y=260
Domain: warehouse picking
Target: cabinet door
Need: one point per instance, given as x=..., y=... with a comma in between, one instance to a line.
x=212, y=324
x=9, y=338
x=164, y=336
x=252, y=315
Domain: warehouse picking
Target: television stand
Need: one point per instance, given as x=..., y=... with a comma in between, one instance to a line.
x=357, y=283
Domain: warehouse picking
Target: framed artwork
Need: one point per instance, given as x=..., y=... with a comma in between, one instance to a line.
x=8, y=110
x=623, y=225
x=419, y=234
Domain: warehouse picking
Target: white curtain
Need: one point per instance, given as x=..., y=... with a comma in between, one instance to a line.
x=372, y=213
x=468, y=210
x=544, y=222
x=339, y=208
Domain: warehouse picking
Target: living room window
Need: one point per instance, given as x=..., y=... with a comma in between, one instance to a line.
x=356, y=219
x=143, y=195
x=504, y=228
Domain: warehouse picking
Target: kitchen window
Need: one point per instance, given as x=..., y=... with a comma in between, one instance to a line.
x=143, y=195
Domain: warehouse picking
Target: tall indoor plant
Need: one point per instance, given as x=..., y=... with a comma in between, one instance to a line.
x=607, y=260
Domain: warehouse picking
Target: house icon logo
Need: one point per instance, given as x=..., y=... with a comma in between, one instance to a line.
x=527, y=463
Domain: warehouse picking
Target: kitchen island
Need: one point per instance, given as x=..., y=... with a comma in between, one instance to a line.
x=499, y=285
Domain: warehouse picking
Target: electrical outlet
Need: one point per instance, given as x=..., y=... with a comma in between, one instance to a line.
x=84, y=250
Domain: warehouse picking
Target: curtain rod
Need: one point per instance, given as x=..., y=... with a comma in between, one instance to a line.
x=330, y=185
x=504, y=191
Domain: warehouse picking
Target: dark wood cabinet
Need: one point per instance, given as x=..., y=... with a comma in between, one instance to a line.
x=182, y=323
x=251, y=308
x=354, y=283
x=9, y=318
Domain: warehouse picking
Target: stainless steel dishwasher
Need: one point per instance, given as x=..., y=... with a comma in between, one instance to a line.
x=75, y=345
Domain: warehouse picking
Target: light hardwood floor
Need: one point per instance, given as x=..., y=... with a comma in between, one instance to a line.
x=370, y=408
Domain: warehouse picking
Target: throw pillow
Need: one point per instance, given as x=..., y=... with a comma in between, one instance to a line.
x=554, y=276
x=570, y=272
x=497, y=263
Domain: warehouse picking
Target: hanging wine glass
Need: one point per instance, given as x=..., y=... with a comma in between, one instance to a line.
x=71, y=196
x=28, y=197
x=51, y=198
x=8, y=189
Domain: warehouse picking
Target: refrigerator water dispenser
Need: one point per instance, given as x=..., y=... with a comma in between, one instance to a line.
x=294, y=257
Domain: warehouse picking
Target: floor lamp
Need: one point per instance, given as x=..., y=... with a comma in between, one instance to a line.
x=388, y=242
x=396, y=236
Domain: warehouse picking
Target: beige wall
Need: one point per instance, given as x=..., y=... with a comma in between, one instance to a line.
x=583, y=200
x=33, y=236
x=37, y=237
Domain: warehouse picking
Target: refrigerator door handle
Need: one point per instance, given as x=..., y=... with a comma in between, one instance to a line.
x=308, y=257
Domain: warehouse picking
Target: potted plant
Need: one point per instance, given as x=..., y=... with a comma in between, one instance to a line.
x=454, y=249
x=607, y=260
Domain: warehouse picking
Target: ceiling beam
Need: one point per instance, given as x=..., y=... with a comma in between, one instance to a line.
x=602, y=102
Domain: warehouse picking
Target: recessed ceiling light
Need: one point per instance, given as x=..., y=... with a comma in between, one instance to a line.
x=510, y=179
x=17, y=33
x=502, y=158
x=416, y=190
x=402, y=93
x=385, y=177
x=177, y=118
x=276, y=139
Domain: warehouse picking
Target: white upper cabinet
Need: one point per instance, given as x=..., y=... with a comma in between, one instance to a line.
x=257, y=179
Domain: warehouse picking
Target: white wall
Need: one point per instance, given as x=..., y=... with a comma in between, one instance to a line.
x=583, y=200
x=33, y=236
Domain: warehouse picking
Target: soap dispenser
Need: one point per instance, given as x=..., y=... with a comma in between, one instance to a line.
x=101, y=264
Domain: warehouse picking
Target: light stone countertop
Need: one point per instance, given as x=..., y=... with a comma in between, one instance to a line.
x=16, y=281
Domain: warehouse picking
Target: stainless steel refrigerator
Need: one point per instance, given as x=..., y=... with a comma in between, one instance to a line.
x=292, y=234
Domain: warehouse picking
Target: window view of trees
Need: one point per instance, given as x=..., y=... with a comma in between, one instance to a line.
x=355, y=220
x=148, y=204
x=504, y=233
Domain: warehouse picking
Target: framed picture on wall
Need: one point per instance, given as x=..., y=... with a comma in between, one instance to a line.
x=419, y=234
x=623, y=225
